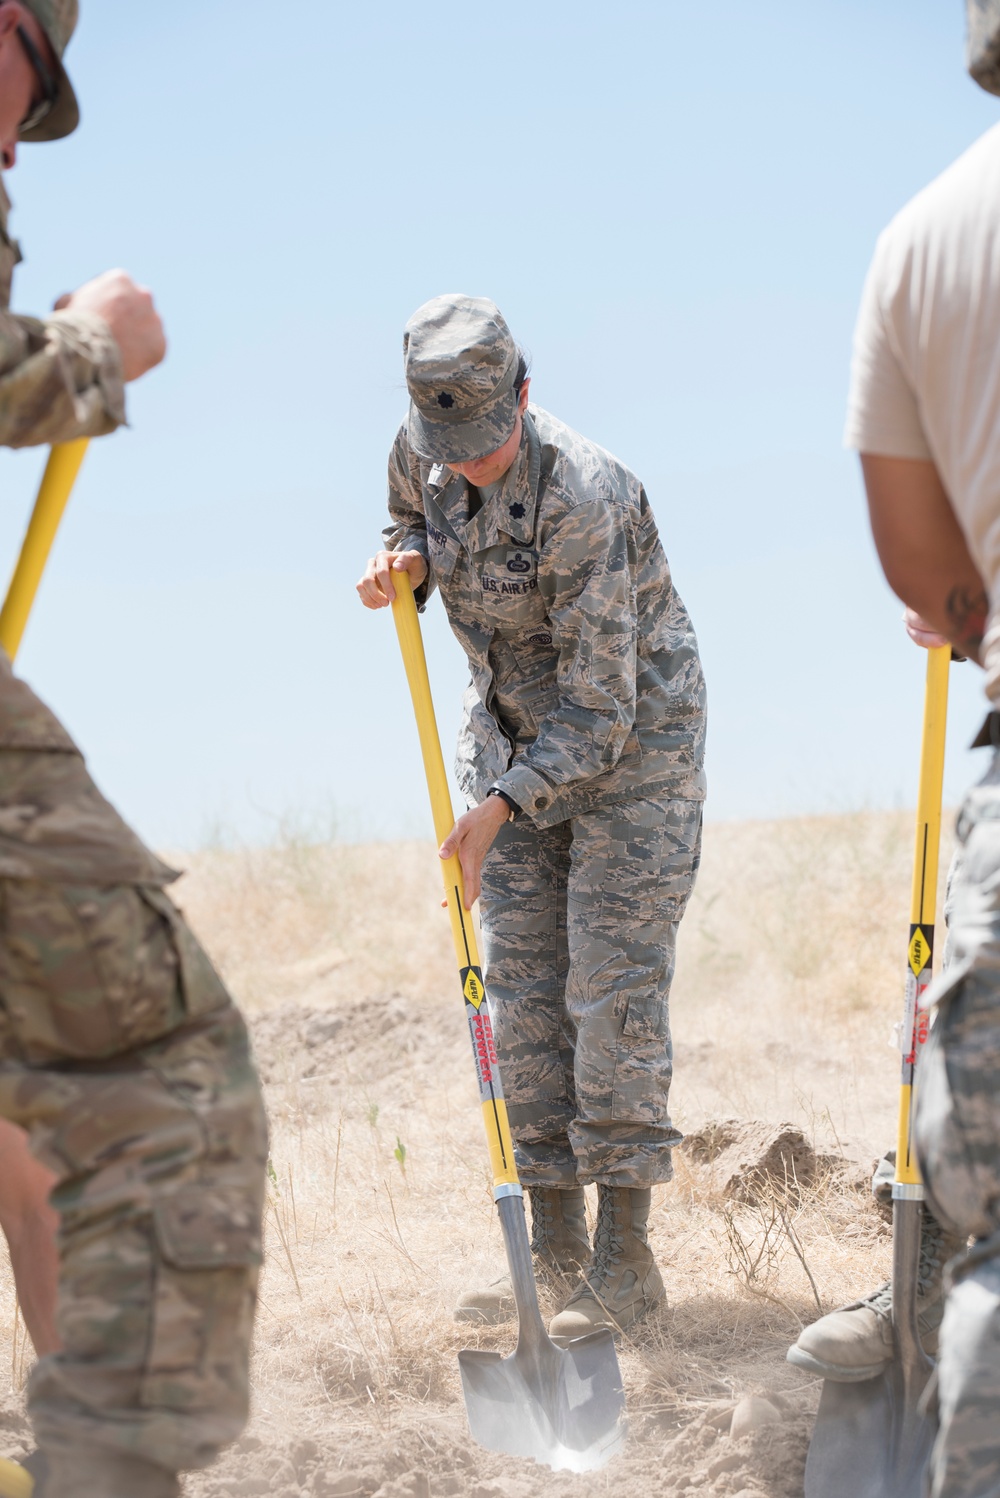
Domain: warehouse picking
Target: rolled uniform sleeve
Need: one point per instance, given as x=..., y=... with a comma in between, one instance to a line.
x=59, y=379
x=408, y=531
x=586, y=570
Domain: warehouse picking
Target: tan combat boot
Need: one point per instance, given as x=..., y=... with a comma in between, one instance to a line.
x=855, y=1343
x=621, y=1282
x=559, y=1244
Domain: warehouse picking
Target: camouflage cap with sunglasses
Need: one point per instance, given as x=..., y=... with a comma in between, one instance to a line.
x=62, y=115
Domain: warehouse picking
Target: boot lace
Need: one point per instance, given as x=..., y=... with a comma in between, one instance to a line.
x=932, y=1256
x=609, y=1243
x=929, y=1269
x=543, y=1221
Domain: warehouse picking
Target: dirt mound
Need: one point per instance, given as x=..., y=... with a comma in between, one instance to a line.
x=702, y=1458
x=16, y=1438
x=697, y=1456
x=749, y=1160
x=301, y=1041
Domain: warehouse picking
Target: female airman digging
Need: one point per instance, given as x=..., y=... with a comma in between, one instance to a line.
x=580, y=757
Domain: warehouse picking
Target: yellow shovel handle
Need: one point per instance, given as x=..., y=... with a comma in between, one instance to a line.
x=54, y=491
x=477, y=1006
x=923, y=902
x=15, y=1480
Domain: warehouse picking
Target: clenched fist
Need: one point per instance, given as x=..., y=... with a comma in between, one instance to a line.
x=129, y=312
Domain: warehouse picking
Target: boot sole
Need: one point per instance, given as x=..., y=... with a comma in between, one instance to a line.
x=483, y=1318
x=611, y=1325
x=555, y=1278
x=835, y=1372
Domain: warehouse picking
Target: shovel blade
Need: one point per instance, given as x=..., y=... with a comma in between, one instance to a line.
x=562, y=1406
x=870, y=1440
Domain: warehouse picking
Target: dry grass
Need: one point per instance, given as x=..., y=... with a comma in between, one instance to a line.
x=789, y=980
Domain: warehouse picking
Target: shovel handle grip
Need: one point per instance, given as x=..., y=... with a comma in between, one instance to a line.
x=53, y=493
x=923, y=902
x=477, y=1004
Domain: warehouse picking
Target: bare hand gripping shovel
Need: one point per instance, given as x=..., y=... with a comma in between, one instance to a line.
x=872, y=1439
x=561, y=1406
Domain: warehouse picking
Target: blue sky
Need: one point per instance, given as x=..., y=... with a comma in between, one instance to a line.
x=674, y=205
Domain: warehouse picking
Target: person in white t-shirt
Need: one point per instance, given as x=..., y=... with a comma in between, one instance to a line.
x=924, y=413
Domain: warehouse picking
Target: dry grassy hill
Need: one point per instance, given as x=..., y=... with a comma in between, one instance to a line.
x=788, y=985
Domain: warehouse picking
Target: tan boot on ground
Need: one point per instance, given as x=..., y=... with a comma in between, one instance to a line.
x=856, y=1342
x=559, y=1244
x=621, y=1282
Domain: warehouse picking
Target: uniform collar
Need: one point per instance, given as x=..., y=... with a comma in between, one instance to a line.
x=509, y=511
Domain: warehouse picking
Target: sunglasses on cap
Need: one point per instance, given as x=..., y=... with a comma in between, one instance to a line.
x=48, y=81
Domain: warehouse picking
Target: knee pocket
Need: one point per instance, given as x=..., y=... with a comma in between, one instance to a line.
x=207, y=1256
x=642, y=1062
x=958, y=1107
x=88, y=972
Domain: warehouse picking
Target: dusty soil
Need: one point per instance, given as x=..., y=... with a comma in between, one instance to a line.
x=379, y=1212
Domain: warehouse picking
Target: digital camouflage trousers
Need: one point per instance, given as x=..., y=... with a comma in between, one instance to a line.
x=579, y=925
x=122, y=1053
x=958, y=1138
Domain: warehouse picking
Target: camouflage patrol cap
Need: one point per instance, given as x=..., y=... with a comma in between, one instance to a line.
x=983, y=45
x=461, y=363
x=58, y=19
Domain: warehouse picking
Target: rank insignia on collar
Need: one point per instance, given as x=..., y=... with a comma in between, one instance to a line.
x=516, y=510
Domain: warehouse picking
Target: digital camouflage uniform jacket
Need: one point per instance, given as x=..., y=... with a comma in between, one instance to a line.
x=59, y=379
x=586, y=682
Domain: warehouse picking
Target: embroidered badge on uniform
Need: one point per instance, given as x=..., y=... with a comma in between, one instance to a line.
x=516, y=510
x=512, y=574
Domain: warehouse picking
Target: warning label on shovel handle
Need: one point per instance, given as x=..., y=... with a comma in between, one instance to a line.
x=915, y=1028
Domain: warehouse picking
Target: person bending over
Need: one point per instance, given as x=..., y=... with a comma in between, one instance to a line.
x=580, y=756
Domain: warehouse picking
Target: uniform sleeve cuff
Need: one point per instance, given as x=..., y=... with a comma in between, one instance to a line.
x=527, y=788
x=93, y=366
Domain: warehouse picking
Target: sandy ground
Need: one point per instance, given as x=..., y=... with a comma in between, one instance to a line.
x=789, y=982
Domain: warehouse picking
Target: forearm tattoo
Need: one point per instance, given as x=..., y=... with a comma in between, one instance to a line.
x=967, y=611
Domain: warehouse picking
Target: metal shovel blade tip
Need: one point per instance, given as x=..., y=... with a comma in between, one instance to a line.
x=562, y=1406
x=870, y=1440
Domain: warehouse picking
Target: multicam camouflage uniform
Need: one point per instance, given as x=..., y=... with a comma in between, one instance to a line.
x=958, y=1138
x=60, y=378
x=587, y=706
x=120, y=1051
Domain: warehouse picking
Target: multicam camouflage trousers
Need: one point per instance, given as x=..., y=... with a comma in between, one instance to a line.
x=958, y=1137
x=579, y=924
x=122, y=1053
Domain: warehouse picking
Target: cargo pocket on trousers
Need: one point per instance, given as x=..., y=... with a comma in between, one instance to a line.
x=204, y=991
x=86, y=972
x=642, y=1062
x=208, y=1255
x=958, y=1104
